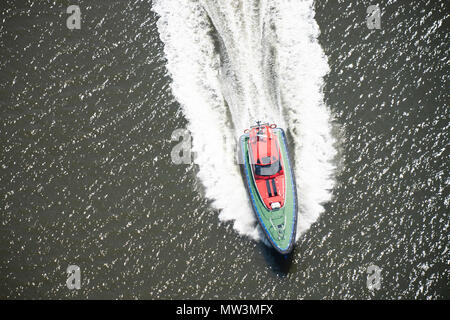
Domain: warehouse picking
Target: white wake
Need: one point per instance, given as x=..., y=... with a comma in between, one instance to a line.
x=233, y=62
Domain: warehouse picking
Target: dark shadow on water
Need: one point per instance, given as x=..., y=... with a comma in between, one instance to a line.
x=280, y=264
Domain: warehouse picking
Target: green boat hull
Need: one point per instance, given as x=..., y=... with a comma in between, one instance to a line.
x=279, y=225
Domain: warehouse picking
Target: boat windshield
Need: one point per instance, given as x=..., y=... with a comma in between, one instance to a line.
x=268, y=170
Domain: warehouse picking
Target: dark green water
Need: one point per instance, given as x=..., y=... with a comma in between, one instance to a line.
x=87, y=177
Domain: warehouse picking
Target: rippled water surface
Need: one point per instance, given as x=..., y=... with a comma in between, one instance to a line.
x=86, y=124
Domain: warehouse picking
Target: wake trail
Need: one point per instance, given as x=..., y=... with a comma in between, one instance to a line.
x=235, y=62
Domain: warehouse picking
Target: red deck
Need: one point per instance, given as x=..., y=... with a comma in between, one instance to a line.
x=267, y=166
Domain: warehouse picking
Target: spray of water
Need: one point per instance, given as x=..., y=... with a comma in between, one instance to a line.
x=237, y=61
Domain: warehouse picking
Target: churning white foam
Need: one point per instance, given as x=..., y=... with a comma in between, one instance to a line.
x=237, y=61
